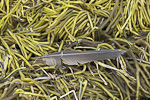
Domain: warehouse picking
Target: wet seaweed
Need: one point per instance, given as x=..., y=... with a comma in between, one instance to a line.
x=32, y=28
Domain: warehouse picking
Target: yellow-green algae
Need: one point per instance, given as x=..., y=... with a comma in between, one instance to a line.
x=31, y=28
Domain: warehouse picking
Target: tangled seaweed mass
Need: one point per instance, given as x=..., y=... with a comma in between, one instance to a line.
x=32, y=28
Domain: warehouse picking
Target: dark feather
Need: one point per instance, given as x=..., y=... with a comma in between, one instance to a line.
x=79, y=57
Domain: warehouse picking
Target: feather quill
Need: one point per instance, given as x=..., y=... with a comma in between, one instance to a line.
x=79, y=57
